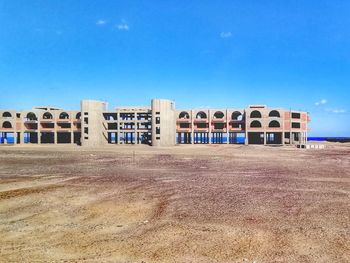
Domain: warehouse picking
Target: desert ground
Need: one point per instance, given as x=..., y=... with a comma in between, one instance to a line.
x=201, y=203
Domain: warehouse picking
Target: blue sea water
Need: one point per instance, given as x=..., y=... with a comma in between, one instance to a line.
x=324, y=138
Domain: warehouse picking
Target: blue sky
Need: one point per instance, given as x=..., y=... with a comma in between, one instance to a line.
x=289, y=54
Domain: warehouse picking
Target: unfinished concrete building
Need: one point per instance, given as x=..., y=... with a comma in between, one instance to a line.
x=158, y=125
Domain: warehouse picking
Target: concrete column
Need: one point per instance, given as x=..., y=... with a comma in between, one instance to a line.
x=15, y=132
x=246, y=127
x=227, y=125
x=264, y=138
x=135, y=129
x=118, y=129
x=39, y=129
x=21, y=138
x=71, y=128
x=209, y=119
x=306, y=137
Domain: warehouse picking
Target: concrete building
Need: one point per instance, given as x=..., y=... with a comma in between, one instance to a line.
x=158, y=125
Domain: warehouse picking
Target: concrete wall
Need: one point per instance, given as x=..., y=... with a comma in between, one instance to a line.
x=163, y=122
x=93, y=132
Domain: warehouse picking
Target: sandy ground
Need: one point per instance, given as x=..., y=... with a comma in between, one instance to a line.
x=181, y=204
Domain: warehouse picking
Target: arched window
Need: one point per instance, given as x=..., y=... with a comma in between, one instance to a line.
x=47, y=115
x=64, y=115
x=6, y=125
x=237, y=116
x=184, y=115
x=255, y=124
x=6, y=114
x=274, y=124
x=219, y=115
x=31, y=116
x=255, y=114
x=274, y=113
x=78, y=115
x=201, y=115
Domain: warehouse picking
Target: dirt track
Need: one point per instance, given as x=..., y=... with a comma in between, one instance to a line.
x=182, y=204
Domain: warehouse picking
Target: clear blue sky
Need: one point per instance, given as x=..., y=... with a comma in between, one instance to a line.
x=290, y=54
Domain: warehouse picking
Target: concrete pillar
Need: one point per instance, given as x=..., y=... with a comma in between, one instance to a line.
x=227, y=125
x=21, y=131
x=209, y=119
x=135, y=129
x=39, y=129
x=165, y=111
x=306, y=137
x=264, y=138
x=246, y=142
x=118, y=128
x=71, y=128
x=15, y=136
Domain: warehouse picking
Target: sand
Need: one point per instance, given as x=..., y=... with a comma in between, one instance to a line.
x=201, y=203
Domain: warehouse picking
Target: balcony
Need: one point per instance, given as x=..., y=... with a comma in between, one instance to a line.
x=183, y=130
x=231, y=129
x=47, y=129
x=216, y=120
x=63, y=120
x=201, y=129
x=200, y=120
x=219, y=130
x=30, y=121
x=183, y=120
x=46, y=120
x=236, y=121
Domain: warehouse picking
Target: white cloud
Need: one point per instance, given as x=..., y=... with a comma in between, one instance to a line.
x=101, y=22
x=321, y=102
x=225, y=34
x=123, y=26
x=336, y=110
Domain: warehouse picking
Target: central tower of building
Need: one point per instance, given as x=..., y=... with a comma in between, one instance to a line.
x=163, y=122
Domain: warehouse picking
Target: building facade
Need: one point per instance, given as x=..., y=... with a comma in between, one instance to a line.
x=158, y=125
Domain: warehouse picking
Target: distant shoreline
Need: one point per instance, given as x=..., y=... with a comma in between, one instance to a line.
x=330, y=139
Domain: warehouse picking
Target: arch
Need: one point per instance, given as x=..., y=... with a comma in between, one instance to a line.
x=255, y=124
x=255, y=114
x=219, y=115
x=31, y=116
x=201, y=115
x=6, y=114
x=274, y=113
x=64, y=115
x=78, y=116
x=47, y=115
x=6, y=125
x=184, y=115
x=237, y=116
x=274, y=124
